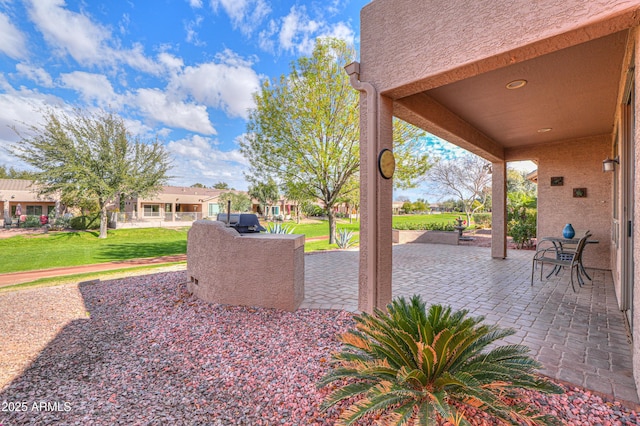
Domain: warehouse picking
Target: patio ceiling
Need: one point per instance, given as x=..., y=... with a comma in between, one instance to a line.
x=572, y=91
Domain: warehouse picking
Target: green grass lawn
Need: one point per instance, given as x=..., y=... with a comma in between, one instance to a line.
x=428, y=218
x=60, y=249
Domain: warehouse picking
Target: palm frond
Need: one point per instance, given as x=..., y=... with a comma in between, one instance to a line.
x=418, y=363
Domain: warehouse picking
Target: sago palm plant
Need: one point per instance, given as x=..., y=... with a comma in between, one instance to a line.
x=410, y=366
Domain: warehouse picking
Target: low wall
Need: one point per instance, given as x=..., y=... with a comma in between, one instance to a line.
x=226, y=267
x=433, y=237
x=149, y=224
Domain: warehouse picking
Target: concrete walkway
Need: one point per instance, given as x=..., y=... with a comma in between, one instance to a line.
x=28, y=276
x=579, y=337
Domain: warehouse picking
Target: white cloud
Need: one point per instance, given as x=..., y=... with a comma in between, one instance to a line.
x=173, y=63
x=157, y=105
x=342, y=31
x=298, y=32
x=192, y=35
x=22, y=109
x=197, y=158
x=37, y=75
x=86, y=41
x=92, y=87
x=70, y=32
x=196, y=4
x=228, y=86
x=245, y=15
x=12, y=41
x=265, y=40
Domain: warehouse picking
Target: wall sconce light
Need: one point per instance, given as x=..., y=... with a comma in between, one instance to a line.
x=608, y=164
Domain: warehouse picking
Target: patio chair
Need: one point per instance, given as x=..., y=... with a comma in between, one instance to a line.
x=561, y=257
x=566, y=253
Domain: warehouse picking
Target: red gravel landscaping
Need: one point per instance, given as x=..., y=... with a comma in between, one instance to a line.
x=150, y=353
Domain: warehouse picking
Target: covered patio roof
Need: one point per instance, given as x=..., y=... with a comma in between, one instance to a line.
x=453, y=80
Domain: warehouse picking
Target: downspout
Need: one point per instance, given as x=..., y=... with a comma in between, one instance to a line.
x=353, y=70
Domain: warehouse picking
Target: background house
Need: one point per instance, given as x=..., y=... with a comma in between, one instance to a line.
x=14, y=192
x=172, y=206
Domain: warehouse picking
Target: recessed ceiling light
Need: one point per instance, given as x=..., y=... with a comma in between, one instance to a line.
x=545, y=130
x=516, y=84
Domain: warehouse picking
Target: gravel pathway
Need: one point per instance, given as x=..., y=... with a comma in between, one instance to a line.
x=142, y=351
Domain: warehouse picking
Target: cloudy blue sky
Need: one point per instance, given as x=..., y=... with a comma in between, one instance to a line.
x=182, y=70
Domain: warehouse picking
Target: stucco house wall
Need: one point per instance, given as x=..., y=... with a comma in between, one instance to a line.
x=579, y=163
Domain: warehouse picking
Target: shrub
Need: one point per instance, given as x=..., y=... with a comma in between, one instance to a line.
x=344, y=239
x=85, y=222
x=410, y=365
x=522, y=226
x=31, y=222
x=415, y=226
x=482, y=220
x=407, y=206
x=58, y=223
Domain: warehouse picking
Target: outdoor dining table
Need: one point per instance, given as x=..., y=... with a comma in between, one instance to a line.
x=558, y=244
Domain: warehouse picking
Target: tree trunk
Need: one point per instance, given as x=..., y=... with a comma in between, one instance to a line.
x=332, y=225
x=103, y=220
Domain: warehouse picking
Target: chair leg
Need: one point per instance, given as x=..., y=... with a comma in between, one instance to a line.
x=572, y=285
x=533, y=270
x=585, y=272
x=579, y=276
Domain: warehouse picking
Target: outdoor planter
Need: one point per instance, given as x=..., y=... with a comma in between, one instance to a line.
x=432, y=237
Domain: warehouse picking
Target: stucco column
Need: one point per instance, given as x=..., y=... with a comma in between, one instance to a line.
x=376, y=193
x=6, y=214
x=499, y=210
x=385, y=206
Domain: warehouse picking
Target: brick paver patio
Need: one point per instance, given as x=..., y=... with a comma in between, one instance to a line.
x=579, y=337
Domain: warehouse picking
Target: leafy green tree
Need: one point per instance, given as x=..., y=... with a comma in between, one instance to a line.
x=412, y=162
x=221, y=185
x=12, y=173
x=407, y=206
x=416, y=366
x=240, y=202
x=198, y=185
x=304, y=130
x=521, y=208
x=517, y=182
x=266, y=193
x=93, y=155
x=419, y=206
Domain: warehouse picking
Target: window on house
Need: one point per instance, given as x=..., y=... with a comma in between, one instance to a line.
x=152, y=210
x=214, y=209
x=34, y=210
x=167, y=208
